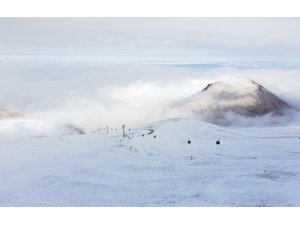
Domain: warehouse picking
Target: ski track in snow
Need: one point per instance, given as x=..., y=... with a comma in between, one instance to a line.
x=251, y=167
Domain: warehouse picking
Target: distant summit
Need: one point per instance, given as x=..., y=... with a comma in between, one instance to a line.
x=239, y=96
x=7, y=114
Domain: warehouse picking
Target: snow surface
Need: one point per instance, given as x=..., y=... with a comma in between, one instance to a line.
x=251, y=167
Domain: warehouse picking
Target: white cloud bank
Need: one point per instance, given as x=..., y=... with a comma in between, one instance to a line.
x=94, y=72
x=94, y=95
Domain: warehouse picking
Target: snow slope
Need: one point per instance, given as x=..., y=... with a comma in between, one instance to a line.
x=251, y=167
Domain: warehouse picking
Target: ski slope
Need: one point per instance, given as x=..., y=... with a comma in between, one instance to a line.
x=251, y=167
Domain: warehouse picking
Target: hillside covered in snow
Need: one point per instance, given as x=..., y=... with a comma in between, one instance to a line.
x=154, y=166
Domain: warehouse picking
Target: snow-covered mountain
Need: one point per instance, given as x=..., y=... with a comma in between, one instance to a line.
x=238, y=96
x=251, y=167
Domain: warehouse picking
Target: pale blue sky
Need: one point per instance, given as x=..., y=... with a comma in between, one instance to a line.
x=203, y=40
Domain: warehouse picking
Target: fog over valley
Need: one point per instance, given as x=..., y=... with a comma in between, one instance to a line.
x=93, y=94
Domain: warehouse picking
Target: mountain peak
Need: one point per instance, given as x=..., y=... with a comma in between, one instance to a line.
x=241, y=96
x=238, y=82
x=8, y=114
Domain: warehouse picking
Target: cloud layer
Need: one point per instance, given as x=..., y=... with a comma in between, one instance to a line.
x=90, y=95
x=97, y=72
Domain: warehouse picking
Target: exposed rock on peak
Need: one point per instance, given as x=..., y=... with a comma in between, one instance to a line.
x=6, y=114
x=240, y=96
